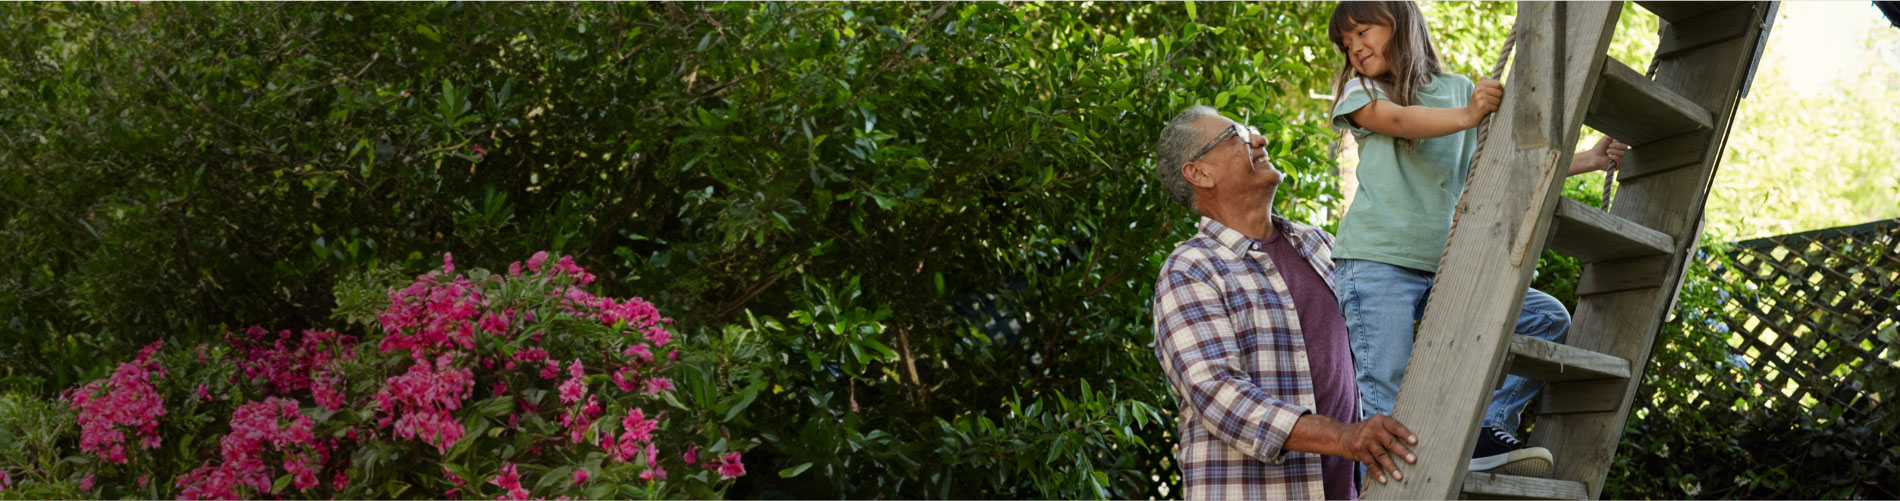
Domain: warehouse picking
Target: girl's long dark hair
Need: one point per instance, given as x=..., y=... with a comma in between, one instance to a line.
x=1409, y=52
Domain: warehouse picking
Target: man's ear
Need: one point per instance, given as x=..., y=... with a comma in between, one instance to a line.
x=1196, y=174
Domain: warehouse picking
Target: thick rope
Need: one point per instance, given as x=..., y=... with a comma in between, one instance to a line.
x=1484, y=129
x=1497, y=72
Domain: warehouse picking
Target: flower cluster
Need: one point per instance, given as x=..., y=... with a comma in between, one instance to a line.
x=256, y=429
x=458, y=336
x=510, y=481
x=287, y=363
x=421, y=400
x=107, y=409
x=432, y=315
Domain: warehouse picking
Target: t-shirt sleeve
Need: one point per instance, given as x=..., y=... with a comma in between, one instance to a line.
x=1357, y=94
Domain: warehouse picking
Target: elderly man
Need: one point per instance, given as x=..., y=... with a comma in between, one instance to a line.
x=1250, y=335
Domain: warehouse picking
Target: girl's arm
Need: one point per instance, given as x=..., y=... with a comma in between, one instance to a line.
x=1599, y=157
x=1421, y=122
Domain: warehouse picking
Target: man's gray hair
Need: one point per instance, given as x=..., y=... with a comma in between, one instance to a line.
x=1178, y=141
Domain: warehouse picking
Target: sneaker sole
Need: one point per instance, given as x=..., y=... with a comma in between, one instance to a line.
x=1526, y=462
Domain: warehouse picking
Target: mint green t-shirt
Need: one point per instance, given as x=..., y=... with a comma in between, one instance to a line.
x=1401, y=213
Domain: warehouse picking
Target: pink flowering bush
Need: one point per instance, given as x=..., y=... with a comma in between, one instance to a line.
x=465, y=384
x=121, y=408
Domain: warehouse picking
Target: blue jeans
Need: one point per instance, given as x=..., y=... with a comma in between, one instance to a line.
x=1381, y=301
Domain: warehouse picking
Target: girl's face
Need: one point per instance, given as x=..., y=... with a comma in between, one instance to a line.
x=1365, y=49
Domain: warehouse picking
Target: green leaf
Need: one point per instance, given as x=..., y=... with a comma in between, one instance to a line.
x=794, y=471
x=745, y=400
x=495, y=406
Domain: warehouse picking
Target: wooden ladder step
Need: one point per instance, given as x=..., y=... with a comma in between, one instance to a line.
x=1722, y=24
x=1638, y=111
x=1677, y=12
x=1558, y=363
x=1623, y=275
x=1494, y=486
x=1593, y=235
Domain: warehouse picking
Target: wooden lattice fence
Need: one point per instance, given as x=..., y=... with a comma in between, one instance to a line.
x=1799, y=389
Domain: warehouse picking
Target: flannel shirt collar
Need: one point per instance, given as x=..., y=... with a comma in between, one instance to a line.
x=1239, y=243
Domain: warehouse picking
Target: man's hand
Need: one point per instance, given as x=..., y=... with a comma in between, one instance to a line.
x=1375, y=441
x=1607, y=151
x=1484, y=100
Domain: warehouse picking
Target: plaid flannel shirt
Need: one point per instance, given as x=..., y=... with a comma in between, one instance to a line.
x=1229, y=341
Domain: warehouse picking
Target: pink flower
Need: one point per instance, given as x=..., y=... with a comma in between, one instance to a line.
x=638, y=427
x=6, y=482
x=448, y=264
x=638, y=352
x=624, y=381
x=535, y=354
x=658, y=335
x=729, y=466
x=658, y=384
x=510, y=481
x=652, y=470
x=572, y=390
x=340, y=481
x=478, y=149
x=85, y=484
x=692, y=454
x=326, y=390
x=652, y=473
x=535, y=262
x=494, y=324
x=580, y=475
x=514, y=269
x=499, y=388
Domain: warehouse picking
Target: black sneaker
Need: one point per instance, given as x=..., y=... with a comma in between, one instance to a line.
x=1499, y=452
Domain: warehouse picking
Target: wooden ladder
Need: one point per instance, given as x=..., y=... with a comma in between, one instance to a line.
x=1635, y=254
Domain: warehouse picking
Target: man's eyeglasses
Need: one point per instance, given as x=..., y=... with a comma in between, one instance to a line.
x=1243, y=132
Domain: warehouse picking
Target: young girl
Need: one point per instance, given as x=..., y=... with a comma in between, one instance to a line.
x=1415, y=126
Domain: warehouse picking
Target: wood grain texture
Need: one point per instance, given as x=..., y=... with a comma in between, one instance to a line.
x=1494, y=486
x=1622, y=275
x=1555, y=362
x=1588, y=233
x=1637, y=111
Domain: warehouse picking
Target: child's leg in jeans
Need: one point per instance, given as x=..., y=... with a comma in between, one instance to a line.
x=1380, y=303
x=1542, y=318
